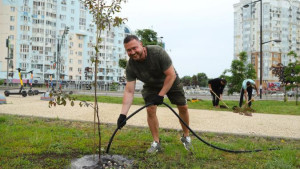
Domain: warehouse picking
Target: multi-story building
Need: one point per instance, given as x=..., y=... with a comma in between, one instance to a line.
x=280, y=21
x=56, y=38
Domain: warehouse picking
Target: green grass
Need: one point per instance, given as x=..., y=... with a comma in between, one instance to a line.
x=260, y=106
x=34, y=143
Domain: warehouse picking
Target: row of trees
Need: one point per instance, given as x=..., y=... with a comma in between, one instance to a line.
x=196, y=80
x=289, y=75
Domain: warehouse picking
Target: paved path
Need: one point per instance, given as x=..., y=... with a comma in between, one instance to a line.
x=283, y=126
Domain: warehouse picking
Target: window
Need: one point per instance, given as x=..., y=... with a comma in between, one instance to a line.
x=79, y=62
x=80, y=45
x=70, y=60
x=24, y=48
x=80, y=37
x=70, y=69
x=12, y=18
x=11, y=28
x=12, y=9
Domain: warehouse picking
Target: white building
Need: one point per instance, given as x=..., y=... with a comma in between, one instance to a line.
x=280, y=21
x=36, y=28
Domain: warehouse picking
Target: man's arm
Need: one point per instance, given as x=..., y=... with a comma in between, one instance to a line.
x=128, y=97
x=169, y=80
x=246, y=95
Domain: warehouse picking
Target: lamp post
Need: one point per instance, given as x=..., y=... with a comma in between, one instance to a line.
x=260, y=44
x=66, y=31
x=8, y=58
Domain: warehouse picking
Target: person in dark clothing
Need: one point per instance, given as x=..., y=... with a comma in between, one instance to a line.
x=152, y=65
x=247, y=88
x=216, y=87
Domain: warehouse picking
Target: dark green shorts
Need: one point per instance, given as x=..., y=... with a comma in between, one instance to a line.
x=175, y=94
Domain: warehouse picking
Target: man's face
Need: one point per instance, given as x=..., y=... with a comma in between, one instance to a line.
x=135, y=50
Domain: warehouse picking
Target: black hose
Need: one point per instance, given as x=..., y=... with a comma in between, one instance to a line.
x=199, y=138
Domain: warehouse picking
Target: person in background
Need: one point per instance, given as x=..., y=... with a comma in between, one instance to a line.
x=216, y=87
x=247, y=88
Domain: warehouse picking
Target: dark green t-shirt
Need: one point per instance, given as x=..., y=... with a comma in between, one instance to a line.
x=151, y=70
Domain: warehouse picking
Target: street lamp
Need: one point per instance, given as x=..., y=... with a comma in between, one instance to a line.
x=261, y=43
x=277, y=41
x=8, y=58
x=66, y=31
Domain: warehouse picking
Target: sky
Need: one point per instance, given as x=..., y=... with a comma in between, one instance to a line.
x=198, y=33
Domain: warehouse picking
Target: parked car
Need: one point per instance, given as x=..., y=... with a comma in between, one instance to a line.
x=292, y=93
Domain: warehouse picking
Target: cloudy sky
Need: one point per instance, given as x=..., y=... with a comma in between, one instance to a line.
x=198, y=33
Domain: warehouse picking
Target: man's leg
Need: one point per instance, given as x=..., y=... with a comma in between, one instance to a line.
x=213, y=98
x=241, y=97
x=249, y=90
x=153, y=122
x=217, y=100
x=184, y=114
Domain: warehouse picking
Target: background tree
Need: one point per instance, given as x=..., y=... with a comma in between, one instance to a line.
x=194, y=81
x=148, y=37
x=122, y=63
x=292, y=74
x=238, y=73
x=186, y=80
x=202, y=79
x=278, y=71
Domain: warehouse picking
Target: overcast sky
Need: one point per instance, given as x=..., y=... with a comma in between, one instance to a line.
x=198, y=33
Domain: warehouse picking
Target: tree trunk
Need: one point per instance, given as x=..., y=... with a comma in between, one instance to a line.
x=297, y=95
x=285, y=99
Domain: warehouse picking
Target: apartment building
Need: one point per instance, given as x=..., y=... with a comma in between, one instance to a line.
x=55, y=38
x=280, y=21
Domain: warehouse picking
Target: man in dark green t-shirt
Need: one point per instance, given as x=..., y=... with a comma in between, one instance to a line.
x=153, y=66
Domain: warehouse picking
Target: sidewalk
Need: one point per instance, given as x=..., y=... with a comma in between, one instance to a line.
x=283, y=126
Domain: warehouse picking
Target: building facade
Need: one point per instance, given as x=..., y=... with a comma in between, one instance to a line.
x=55, y=39
x=280, y=21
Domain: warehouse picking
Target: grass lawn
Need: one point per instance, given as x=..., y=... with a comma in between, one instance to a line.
x=260, y=106
x=34, y=143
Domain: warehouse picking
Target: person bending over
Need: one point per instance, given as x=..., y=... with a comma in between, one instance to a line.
x=216, y=87
x=247, y=88
x=153, y=66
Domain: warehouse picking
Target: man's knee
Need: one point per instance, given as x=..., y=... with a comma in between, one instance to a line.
x=151, y=111
x=182, y=109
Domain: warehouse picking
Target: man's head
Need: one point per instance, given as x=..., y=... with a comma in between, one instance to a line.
x=223, y=82
x=134, y=48
x=248, y=84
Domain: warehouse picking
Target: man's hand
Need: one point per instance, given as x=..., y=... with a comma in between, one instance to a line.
x=121, y=119
x=158, y=100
